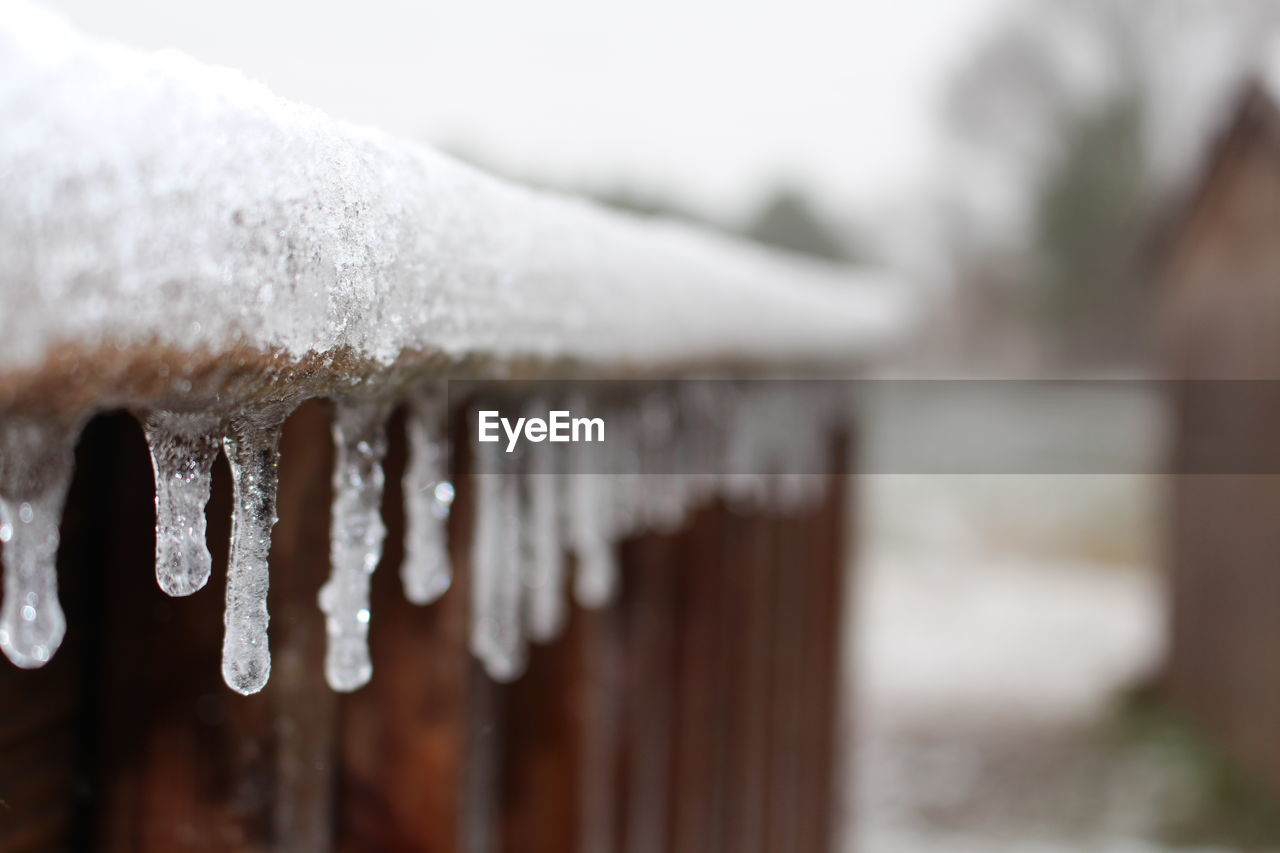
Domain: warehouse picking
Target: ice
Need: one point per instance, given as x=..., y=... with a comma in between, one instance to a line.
x=428, y=497
x=183, y=446
x=147, y=198
x=545, y=561
x=510, y=656
x=596, y=504
x=35, y=471
x=355, y=535
x=590, y=520
x=190, y=243
x=497, y=588
x=624, y=485
x=252, y=447
x=529, y=512
x=664, y=498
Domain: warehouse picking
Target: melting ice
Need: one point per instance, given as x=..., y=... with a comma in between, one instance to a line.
x=183, y=446
x=428, y=496
x=252, y=446
x=35, y=471
x=545, y=561
x=496, y=588
x=528, y=513
x=355, y=535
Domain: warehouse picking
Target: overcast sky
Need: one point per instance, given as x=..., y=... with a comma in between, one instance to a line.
x=712, y=102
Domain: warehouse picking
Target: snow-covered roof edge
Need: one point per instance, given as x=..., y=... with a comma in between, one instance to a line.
x=149, y=203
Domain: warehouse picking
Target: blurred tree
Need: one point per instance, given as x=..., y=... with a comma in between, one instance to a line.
x=1092, y=211
x=789, y=220
x=1072, y=122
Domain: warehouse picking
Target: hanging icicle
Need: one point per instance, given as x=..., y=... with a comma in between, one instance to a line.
x=545, y=560
x=496, y=588
x=426, y=572
x=35, y=471
x=252, y=447
x=592, y=512
x=356, y=533
x=183, y=446
x=667, y=451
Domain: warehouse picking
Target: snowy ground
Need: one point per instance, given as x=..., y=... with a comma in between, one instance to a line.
x=1001, y=621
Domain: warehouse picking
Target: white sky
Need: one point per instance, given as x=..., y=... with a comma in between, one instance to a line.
x=710, y=102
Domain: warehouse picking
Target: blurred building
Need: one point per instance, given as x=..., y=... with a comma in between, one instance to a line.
x=1220, y=304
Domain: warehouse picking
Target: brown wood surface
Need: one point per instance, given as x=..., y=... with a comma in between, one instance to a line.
x=696, y=714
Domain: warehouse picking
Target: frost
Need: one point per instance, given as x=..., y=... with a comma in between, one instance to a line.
x=183, y=446
x=428, y=497
x=35, y=471
x=356, y=535
x=252, y=447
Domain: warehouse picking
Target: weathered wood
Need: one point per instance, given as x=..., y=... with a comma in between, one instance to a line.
x=182, y=763
x=697, y=713
x=405, y=741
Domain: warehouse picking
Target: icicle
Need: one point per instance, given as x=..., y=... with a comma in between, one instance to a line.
x=663, y=496
x=624, y=483
x=590, y=518
x=545, y=580
x=743, y=482
x=495, y=565
x=356, y=532
x=701, y=439
x=512, y=654
x=428, y=495
x=35, y=469
x=183, y=446
x=252, y=448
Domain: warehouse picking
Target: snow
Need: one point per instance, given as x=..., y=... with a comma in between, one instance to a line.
x=208, y=255
x=146, y=198
x=995, y=648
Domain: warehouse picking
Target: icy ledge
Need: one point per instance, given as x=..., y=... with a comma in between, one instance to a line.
x=178, y=241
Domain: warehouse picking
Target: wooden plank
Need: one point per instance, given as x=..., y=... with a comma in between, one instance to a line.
x=750, y=591
x=650, y=568
x=405, y=736
x=183, y=762
x=696, y=714
x=42, y=741
x=692, y=768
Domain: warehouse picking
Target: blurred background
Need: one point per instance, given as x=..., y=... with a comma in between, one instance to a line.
x=1039, y=661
